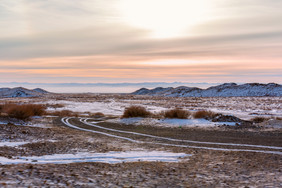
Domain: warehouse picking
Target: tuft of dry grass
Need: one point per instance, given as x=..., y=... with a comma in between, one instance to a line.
x=98, y=115
x=55, y=105
x=136, y=111
x=278, y=118
x=64, y=113
x=23, y=112
x=203, y=114
x=177, y=113
x=258, y=119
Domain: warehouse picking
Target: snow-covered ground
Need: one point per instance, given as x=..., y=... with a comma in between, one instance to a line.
x=12, y=144
x=110, y=157
x=245, y=108
x=111, y=107
x=242, y=107
x=35, y=122
x=20, y=143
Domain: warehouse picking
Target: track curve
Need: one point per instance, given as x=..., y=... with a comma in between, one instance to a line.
x=65, y=120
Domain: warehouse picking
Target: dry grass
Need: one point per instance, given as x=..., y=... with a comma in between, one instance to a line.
x=98, y=115
x=258, y=119
x=64, y=113
x=177, y=113
x=55, y=105
x=22, y=112
x=136, y=111
x=203, y=114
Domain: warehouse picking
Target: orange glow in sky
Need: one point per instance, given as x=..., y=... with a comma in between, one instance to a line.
x=140, y=41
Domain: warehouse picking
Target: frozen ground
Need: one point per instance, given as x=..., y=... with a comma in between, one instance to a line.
x=111, y=107
x=170, y=122
x=243, y=107
x=34, y=122
x=11, y=144
x=110, y=157
x=114, y=104
x=154, y=156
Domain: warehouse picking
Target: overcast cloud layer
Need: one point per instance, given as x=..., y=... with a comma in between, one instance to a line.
x=90, y=41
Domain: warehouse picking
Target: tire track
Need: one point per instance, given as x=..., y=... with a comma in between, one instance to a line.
x=84, y=120
x=65, y=120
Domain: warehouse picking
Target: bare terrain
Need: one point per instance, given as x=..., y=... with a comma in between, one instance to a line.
x=64, y=151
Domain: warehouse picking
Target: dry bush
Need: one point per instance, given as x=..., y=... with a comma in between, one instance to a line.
x=258, y=119
x=55, y=105
x=177, y=113
x=20, y=112
x=64, y=113
x=24, y=111
x=278, y=118
x=37, y=109
x=136, y=111
x=98, y=115
x=203, y=114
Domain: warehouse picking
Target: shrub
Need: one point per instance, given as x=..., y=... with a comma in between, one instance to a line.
x=258, y=119
x=177, y=113
x=135, y=111
x=24, y=111
x=37, y=110
x=55, y=105
x=98, y=115
x=203, y=114
x=20, y=112
x=63, y=113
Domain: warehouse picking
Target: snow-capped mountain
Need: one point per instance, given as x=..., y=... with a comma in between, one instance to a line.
x=39, y=90
x=21, y=92
x=224, y=90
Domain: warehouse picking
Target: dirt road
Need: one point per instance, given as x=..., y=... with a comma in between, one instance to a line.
x=90, y=125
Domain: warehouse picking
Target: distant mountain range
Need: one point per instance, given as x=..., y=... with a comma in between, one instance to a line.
x=21, y=92
x=125, y=87
x=223, y=90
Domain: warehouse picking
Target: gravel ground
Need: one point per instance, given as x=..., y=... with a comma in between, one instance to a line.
x=205, y=168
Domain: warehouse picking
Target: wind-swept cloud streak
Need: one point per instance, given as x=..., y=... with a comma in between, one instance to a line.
x=89, y=41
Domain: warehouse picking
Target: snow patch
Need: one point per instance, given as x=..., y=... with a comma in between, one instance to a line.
x=110, y=157
x=109, y=108
x=12, y=144
x=16, y=144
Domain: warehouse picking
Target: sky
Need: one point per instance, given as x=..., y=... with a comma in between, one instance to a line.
x=113, y=41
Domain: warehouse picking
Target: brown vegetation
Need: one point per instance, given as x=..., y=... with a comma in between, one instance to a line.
x=136, y=111
x=23, y=112
x=203, y=114
x=98, y=115
x=258, y=119
x=64, y=113
x=177, y=113
x=55, y=105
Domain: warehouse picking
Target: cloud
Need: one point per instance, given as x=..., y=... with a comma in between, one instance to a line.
x=132, y=42
x=87, y=40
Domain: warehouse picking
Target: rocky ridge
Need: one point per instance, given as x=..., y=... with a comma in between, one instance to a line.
x=21, y=92
x=224, y=90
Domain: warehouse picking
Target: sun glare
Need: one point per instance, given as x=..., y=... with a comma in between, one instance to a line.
x=165, y=18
